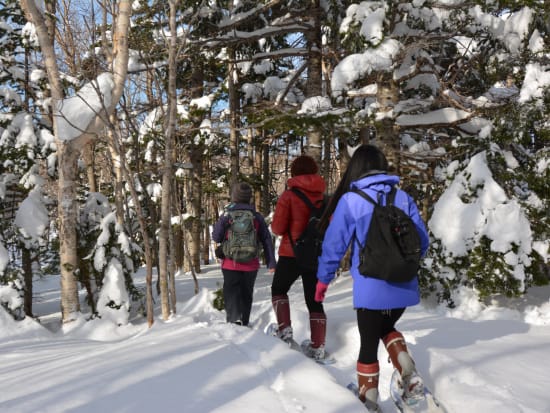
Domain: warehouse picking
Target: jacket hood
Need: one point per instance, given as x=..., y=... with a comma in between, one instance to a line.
x=379, y=182
x=312, y=183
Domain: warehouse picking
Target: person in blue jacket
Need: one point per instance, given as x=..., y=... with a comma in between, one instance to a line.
x=379, y=304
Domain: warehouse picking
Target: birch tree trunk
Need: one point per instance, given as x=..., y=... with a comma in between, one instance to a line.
x=68, y=151
x=387, y=132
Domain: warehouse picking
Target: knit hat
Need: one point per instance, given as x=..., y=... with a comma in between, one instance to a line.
x=241, y=193
x=303, y=165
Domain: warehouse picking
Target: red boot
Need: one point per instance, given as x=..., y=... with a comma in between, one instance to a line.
x=411, y=382
x=281, y=307
x=367, y=381
x=399, y=355
x=316, y=347
x=318, y=327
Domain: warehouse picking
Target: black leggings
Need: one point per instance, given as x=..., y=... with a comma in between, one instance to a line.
x=373, y=326
x=286, y=273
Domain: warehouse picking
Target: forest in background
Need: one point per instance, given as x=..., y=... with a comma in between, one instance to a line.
x=125, y=123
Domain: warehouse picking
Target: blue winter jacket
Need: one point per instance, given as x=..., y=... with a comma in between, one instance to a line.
x=351, y=218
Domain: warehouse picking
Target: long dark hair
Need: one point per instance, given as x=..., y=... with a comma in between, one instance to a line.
x=366, y=159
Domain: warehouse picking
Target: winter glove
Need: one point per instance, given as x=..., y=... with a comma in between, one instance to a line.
x=219, y=252
x=320, y=291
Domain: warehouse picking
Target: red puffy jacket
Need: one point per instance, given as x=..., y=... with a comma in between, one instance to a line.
x=291, y=213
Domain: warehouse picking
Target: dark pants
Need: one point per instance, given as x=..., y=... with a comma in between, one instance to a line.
x=374, y=325
x=238, y=292
x=286, y=273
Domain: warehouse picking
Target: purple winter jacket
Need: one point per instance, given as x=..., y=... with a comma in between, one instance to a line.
x=264, y=236
x=351, y=218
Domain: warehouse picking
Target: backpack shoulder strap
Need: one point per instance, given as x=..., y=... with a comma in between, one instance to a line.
x=364, y=195
x=303, y=197
x=306, y=201
x=390, y=200
x=233, y=213
x=229, y=214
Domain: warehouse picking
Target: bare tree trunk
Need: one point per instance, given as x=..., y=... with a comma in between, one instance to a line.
x=165, y=215
x=194, y=196
x=172, y=272
x=247, y=163
x=326, y=162
x=26, y=264
x=233, y=118
x=179, y=255
x=193, y=224
x=119, y=180
x=206, y=213
x=206, y=243
x=387, y=132
x=89, y=160
x=68, y=156
x=314, y=85
x=257, y=172
x=266, y=178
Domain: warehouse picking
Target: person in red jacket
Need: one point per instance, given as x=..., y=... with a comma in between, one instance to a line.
x=290, y=218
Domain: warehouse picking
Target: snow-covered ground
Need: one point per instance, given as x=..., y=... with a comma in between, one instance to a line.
x=486, y=359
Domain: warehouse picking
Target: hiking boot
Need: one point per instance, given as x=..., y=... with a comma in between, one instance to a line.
x=318, y=327
x=367, y=382
x=316, y=353
x=398, y=353
x=282, y=313
x=285, y=334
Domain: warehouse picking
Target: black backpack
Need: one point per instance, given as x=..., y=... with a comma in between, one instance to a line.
x=392, y=247
x=241, y=244
x=307, y=247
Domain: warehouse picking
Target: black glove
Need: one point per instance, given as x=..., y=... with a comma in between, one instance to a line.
x=219, y=252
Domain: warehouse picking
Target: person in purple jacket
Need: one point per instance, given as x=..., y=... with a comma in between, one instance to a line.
x=379, y=304
x=239, y=277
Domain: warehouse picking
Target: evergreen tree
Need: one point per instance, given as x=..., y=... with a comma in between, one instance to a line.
x=25, y=145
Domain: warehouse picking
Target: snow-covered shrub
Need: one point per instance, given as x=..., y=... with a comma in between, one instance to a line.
x=486, y=234
x=113, y=303
x=218, y=303
x=107, y=249
x=11, y=287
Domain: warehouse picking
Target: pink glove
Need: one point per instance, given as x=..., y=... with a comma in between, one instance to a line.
x=320, y=291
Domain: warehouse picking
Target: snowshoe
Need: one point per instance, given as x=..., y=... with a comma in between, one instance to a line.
x=369, y=405
x=416, y=398
x=320, y=354
x=286, y=335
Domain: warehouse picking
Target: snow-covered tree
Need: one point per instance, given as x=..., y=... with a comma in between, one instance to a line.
x=438, y=81
x=26, y=145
